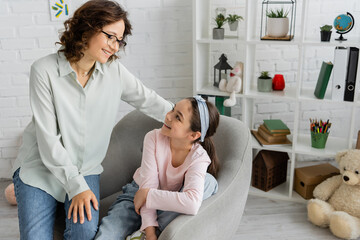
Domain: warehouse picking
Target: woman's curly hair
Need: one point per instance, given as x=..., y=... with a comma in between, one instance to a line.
x=88, y=20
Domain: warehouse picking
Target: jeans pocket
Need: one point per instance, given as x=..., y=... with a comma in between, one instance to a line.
x=16, y=175
x=17, y=181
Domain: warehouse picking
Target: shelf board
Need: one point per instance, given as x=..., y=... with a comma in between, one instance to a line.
x=332, y=43
x=308, y=95
x=257, y=41
x=226, y=40
x=280, y=192
x=257, y=145
x=214, y=91
x=288, y=93
x=253, y=41
x=333, y=145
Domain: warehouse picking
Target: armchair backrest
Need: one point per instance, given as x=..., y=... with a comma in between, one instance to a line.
x=124, y=153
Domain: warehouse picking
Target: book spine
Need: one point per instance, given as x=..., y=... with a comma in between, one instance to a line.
x=271, y=139
x=219, y=103
x=273, y=134
x=323, y=80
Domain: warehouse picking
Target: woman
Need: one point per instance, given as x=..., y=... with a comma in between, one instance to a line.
x=75, y=95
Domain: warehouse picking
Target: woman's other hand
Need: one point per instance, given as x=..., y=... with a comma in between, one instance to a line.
x=81, y=201
x=140, y=199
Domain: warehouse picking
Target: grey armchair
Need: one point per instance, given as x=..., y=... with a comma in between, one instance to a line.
x=219, y=215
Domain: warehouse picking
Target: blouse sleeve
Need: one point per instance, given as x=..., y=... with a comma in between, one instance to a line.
x=149, y=178
x=189, y=200
x=142, y=98
x=52, y=152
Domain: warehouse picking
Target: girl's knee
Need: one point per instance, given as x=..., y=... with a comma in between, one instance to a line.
x=211, y=186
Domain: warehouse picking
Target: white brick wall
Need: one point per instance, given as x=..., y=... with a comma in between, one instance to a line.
x=159, y=53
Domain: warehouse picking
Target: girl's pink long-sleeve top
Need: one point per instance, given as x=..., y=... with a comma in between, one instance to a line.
x=164, y=181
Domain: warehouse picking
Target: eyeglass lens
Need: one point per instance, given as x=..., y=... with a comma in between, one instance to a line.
x=112, y=42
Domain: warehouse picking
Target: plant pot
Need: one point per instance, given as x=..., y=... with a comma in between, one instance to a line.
x=233, y=26
x=264, y=84
x=325, y=36
x=218, y=33
x=277, y=27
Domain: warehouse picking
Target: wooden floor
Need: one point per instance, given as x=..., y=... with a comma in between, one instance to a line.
x=263, y=219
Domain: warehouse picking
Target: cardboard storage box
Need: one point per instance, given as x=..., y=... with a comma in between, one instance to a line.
x=307, y=178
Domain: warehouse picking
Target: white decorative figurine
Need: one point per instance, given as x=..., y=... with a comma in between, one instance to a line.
x=234, y=85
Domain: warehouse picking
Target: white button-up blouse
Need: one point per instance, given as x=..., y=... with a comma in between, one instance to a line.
x=69, y=134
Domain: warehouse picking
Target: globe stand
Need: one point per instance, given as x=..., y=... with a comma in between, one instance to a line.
x=341, y=38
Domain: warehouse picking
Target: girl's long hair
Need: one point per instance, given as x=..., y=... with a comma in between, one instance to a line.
x=208, y=144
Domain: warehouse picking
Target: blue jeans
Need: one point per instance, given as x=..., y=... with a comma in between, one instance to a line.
x=122, y=220
x=37, y=212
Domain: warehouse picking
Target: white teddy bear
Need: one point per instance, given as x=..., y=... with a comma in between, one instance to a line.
x=234, y=85
x=337, y=199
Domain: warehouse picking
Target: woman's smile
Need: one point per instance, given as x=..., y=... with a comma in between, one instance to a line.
x=107, y=53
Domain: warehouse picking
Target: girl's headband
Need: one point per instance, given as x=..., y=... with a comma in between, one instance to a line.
x=204, y=116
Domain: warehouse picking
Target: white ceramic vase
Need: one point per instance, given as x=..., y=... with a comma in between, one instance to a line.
x=277, y=27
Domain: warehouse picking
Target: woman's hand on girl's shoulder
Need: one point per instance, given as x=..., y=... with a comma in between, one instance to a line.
x=140, y=198
x=79, y=202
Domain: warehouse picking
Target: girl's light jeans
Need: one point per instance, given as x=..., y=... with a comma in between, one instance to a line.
x=122, y=220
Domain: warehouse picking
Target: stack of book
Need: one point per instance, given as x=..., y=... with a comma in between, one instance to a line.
x=272, y=132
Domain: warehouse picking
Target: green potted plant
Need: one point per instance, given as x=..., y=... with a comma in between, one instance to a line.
x=325, y=33
x=233, y=21
x=218, y=32
x=264, y=82
x=277, y=23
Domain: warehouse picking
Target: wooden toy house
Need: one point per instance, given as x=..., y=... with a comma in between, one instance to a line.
x=269, y=169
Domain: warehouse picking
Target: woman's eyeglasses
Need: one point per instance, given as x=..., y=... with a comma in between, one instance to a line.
x=112, y=40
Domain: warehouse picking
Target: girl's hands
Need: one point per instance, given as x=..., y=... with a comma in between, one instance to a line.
x=79, y=202
x=140, y=199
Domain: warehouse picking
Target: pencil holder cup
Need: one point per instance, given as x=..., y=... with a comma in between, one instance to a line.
x=318, y=140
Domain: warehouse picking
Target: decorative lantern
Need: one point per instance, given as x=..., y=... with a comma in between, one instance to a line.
x=282, y=25
x=221, y=65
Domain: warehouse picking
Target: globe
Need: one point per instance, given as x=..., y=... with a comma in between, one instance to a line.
x=343, y=24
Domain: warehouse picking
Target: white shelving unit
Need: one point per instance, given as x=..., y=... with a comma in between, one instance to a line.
x=246, y=43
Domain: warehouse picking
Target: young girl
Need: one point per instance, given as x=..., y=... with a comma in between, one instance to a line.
x=172, y=178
